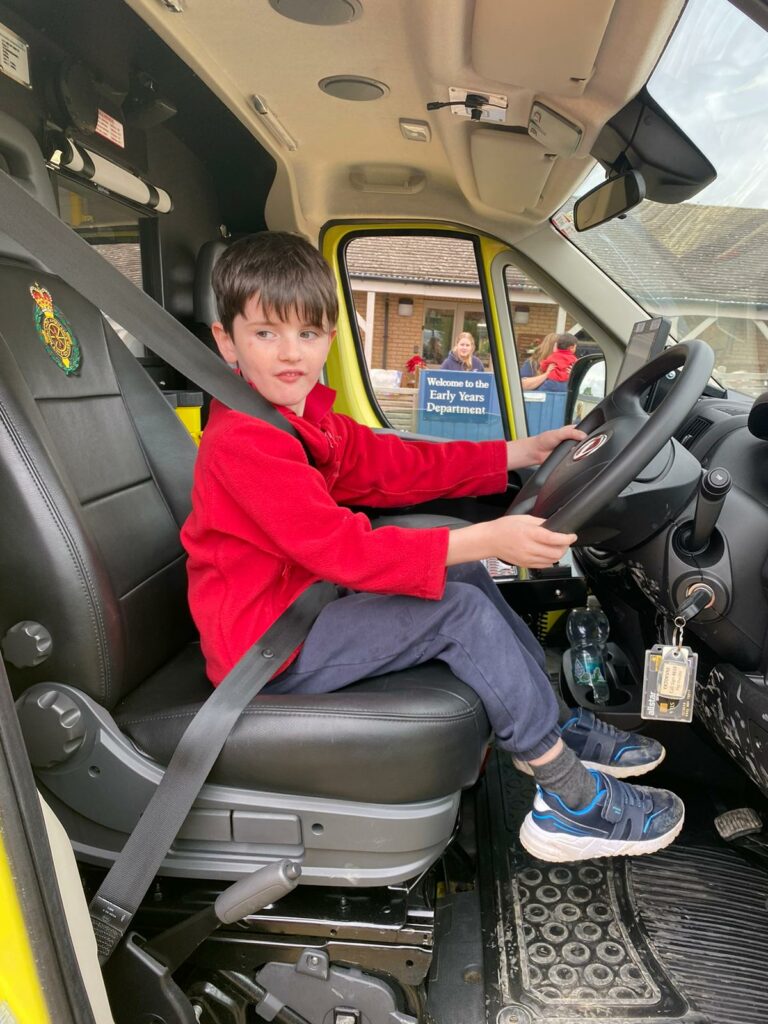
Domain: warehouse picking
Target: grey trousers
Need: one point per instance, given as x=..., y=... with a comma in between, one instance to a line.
x=471, y=628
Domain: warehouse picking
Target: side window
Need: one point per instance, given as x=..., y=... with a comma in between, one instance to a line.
x=548, y=342
x=423, y=329
x=112, y=229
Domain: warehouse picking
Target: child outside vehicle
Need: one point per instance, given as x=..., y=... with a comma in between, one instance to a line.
x=560, y=361
x=267, y=522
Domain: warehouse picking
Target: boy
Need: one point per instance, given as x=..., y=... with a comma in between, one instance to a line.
x=266, y=523
x=561, y=360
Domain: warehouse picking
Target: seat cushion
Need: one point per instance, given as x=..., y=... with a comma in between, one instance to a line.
x=399, y=738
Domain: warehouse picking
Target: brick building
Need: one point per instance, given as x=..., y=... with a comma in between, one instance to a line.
x=704, y=267
x=414, y=294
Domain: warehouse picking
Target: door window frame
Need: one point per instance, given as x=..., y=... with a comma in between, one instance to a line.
x=339, y=262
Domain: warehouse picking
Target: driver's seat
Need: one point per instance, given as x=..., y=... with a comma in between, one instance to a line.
x=362, y=785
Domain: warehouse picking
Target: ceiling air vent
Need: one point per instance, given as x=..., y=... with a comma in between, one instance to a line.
x=691, y=430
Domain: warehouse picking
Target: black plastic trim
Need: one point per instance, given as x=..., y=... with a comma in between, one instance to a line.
x=756, y=10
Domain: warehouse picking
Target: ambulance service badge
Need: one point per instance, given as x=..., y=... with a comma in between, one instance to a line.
x=54, y=331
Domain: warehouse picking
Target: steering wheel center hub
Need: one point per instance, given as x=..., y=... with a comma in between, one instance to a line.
x=589, y=447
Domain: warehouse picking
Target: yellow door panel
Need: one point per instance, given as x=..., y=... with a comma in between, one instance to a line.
x=21, y=998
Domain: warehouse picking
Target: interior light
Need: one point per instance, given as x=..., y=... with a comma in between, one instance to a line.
x=415, y=131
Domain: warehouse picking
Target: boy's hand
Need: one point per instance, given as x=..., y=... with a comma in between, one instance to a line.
x=519, y=540
x=532, y=451
x=524, y=541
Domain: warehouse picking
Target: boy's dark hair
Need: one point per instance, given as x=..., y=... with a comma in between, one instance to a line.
x=566, y=341
x=284, y=270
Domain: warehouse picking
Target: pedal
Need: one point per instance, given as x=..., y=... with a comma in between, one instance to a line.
x=738, y=823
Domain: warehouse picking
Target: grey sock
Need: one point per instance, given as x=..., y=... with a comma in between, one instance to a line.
x=567, y=777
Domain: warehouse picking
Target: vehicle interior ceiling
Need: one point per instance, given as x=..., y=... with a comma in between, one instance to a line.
x=355, y=162
x=482, y=932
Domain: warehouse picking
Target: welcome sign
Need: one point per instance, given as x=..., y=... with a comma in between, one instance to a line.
x=459, y=405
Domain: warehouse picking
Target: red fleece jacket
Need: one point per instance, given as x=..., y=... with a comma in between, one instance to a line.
x=265, y=524
x=562, y=359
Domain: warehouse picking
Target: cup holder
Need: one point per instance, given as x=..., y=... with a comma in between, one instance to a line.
x=624, y=691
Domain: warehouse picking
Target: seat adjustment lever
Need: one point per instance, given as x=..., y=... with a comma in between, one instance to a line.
x=257, y=890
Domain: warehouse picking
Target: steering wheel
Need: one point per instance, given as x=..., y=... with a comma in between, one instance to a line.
x=580, y=478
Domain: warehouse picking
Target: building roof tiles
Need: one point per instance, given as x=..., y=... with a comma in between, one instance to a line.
x=657, y=253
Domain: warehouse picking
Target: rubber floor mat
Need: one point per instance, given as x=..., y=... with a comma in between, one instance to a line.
x=650, y=938
x=705, y=910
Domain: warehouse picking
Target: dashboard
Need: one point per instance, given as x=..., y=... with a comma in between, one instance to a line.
x=659, y=572
x=731, y=638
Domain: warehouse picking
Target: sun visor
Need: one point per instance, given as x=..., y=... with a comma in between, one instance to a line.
x=511, y=170
x=549, y=47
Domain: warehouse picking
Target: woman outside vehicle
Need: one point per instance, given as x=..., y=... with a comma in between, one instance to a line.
x=531, y=375
x=462, y=355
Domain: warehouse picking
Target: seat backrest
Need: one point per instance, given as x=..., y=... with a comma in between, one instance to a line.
x=95, y=480
x=205, y=311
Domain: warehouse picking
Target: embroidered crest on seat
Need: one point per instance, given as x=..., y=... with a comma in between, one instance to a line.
x=54, y=331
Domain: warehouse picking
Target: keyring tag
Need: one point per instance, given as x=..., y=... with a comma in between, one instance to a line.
x=669, y=680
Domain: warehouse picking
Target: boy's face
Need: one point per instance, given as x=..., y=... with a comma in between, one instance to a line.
x=282, y=359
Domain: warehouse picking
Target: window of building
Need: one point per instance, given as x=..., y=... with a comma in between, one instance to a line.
x=548, y=341
x=414, y=296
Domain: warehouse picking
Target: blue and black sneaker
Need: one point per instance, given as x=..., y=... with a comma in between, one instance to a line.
x=620, y=821
x=606, y=749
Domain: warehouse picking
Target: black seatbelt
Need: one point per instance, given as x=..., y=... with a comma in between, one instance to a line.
x=64, y=253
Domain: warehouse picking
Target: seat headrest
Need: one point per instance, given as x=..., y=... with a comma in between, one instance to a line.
x=20, y=156
x=205, y=301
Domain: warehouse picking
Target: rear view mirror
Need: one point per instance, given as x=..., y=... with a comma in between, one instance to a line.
x=610, y=199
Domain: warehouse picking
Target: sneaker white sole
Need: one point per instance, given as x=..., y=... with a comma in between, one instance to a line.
x=560, y=848
x=615, y=770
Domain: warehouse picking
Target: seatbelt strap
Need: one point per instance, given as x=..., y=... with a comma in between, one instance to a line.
x=67, y=255
x=129, y=878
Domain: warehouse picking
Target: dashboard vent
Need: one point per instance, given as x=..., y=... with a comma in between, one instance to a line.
x=692, y=430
